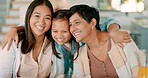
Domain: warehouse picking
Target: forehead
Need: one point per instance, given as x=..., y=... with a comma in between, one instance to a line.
x=61, y=23
x=42, y=9
x=74, y=17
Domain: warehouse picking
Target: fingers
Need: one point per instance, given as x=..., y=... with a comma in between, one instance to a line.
x=4, y=42
x=126, y=41
x=16, y=40
x=121, y=36
x=127, y=38
x=121, y=45
x=9, y=44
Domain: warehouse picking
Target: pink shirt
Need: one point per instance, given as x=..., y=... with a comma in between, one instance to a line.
x=30, y=68
x=101, y=69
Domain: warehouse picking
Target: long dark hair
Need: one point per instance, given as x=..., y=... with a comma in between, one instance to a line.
x=60, y=14
x=29, y=40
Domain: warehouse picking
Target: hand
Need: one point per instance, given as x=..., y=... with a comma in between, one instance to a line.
x=120, y=36
x=9, y=37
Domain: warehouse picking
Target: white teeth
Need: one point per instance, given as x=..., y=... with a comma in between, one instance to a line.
x=60, y=39
x=76, y=34
x=40, y=27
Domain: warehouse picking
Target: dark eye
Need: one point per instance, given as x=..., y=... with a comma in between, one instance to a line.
x=65, y=31
x=70, y=24
x=77, y=23
x=48, y=18
x=54, y=31
x=37, y=16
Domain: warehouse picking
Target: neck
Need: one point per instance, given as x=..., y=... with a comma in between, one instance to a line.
x=99, y=47
x=39, y=40
x=99, y=39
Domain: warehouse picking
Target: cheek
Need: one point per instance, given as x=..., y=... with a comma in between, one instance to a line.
x=52, y=34
x=31, y=27
x=68, y=36
x=70, y=29
x=48, y=22
x=32, y=21
x=48, y=26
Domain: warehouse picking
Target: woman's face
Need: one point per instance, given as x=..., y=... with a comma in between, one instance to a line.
x=40, y=20
x=79, y=28
x=60, y=31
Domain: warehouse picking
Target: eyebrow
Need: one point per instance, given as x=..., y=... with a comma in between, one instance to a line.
x=76, y=20
x=36, y=13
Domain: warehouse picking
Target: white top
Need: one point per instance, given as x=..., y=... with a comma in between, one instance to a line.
x=11, y=60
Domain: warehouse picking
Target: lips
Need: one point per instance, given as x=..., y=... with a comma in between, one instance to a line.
x=76, y=34
x=60, y=39
x=40, y=27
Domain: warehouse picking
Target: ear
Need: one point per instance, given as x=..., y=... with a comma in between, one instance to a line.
x=93, y=23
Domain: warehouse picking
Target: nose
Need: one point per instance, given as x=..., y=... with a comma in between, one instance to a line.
x=41, y=21
x=59, y=35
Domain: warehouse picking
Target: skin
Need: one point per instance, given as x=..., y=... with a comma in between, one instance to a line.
x=79, y=28
x=40, y=22
x=86, y=32
x=60, y=31
x=118, y=36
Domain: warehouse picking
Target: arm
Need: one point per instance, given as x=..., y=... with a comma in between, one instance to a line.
x=11, y=35
x=106, y=25
x=118, y=35
x=113, y=31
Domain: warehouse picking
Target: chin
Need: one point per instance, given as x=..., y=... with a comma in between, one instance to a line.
x=60, y=43
x=78, y=40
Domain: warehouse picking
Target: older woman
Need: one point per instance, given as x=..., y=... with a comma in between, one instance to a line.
x=101, y=57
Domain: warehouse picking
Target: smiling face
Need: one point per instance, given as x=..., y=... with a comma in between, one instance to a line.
x=40, y=20
x=79, y=28
x=60, y=31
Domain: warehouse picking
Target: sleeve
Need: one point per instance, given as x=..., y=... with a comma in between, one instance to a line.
x=104, y=26
x=131, y=51
x=7, y=59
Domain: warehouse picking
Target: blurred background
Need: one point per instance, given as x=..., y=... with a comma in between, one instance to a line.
x=132, y=15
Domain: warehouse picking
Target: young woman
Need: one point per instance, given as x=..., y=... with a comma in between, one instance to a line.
x=101, y=57
x=32, y=58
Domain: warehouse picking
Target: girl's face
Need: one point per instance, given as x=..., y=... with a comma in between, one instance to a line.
x=40, y=20
x=79, y=28
x=60, y=31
